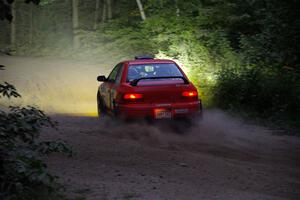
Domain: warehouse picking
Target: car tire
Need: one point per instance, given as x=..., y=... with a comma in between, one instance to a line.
x=116, y=112
x=101, y=107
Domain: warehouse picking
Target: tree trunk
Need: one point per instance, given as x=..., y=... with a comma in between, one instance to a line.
x=104, y=11
x=76, y=42
x=177, y=8
x=140, y=5
x=31, y=24
x=13, y=26
x=109, y=10
x=96, y=17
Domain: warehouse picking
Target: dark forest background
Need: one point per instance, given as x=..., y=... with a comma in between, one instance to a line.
x=242, y=54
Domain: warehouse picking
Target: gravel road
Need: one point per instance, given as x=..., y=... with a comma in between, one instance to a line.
x=219, y=158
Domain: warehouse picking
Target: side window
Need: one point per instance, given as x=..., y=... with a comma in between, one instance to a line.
x=112, y=76
x=119, y=75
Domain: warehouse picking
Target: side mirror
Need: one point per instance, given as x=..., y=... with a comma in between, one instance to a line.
x=101, y=78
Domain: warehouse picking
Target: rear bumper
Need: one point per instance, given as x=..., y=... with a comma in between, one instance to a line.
x=147, y=110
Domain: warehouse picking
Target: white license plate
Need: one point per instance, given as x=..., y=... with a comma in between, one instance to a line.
x=162, y=114
x=181, y=111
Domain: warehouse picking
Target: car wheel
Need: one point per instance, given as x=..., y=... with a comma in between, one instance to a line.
x=101, y=107
x=116, y=111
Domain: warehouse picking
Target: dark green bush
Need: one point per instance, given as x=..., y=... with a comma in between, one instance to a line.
x=264, y=91
x=23, y=174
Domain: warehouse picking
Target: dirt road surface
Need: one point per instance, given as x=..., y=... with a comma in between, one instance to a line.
x=221, y=157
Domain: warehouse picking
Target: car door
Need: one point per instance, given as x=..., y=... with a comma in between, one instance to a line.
x=113, y=83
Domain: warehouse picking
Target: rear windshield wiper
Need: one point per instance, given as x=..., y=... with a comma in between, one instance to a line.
x=135, y=81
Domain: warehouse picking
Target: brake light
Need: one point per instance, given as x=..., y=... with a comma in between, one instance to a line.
x=132, y=96
x=190, y=94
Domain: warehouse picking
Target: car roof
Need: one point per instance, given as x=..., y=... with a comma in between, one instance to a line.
x=148, y=61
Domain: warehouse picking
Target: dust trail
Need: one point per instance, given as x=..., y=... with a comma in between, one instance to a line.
x=56, y=86
x=218, y=134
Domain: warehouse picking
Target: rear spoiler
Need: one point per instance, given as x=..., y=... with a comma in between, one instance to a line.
x=135, y=81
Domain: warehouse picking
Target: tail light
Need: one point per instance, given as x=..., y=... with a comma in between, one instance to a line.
x=132, y=96
x=190, y=94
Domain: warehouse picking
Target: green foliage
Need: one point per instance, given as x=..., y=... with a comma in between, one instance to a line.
x=267, y=80
x=46, y=2
x=5, y=8
x=262, y=90
x=23, y=174
x=8, y=90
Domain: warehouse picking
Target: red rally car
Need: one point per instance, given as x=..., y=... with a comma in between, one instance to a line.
x=148, y=88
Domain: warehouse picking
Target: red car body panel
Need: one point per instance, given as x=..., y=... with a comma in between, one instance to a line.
x=156, y=98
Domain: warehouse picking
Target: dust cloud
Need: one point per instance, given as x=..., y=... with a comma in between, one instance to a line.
x=219, y=134
x=53, y=85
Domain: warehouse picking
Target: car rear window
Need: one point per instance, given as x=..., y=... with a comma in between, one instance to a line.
x=152, y=70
